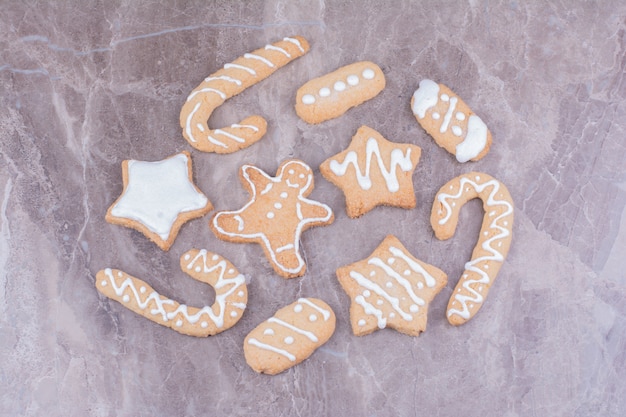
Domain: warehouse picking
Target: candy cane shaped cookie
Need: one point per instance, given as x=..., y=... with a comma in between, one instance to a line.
x=229, y=81
x=493, y=243
x=231, y=295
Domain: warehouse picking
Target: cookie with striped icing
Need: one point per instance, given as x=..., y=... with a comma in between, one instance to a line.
x=390, y=288
x=290, y=336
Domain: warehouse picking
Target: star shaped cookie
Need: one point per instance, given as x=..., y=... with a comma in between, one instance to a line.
x=390, y=288
x=276, y=215
x=373, y=171
x=158, y=198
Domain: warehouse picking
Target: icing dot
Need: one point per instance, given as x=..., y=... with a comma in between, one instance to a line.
x=485, y=233
x=486, y=266
x=119, y=274
x=451, y=187
x=459, y=116
x=126, y=298
x=477, y=177
x=353, y=79
x=505, y=223
x=231, y=271
x=270, y=215
x=407, y=272
x=392, y=315
x=372, y=273
x=301, y=176
x=312, y=317
x=233, y=313
x=436, y=116
x=499, y=244
x=339, y=86
x=198, y=269
x=368, y=73
x=380, y=302
x=420, y=285
x=388, y=284
x=366, y=293
x=179, y=323
x=204, y=324
x=142, y=289
x=297, y=308
x=445, y=97
x=324, y=92
x=240, y=293
x=269, y=332
x=288, y=340
x=390, y=261
x=187, y=257
x=361, y=322
x=291, y=172
x=414, y=308
x=278, y=206
x=215, y=257
x=284, y=194
x=453, y=204
x=103, y=283
x=457, y=131
x=308, y=99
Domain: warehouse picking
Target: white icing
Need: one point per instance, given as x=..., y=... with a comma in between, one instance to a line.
x=271, y=348
x=308, y=99
x=297, y=308
x=457, y=131
x=259, y=58
x=415, y=266
x=425, y=97
x=312, y=317
x=295, y=42
x=460, y=116
x=475, y=140
x=241, y=67
x=448, y=116
x=393, y=301
x=229, y=135
x=436, y=115
x=324, y=92
x=188, y=121
x=157, y=193
x=276, y=48
x=288, y=340
x=352, y=80
x=368, y=73
x=494, y=255
x=370, y=309
x=325, y=313
x=268, y=332
x=207, y=90
x=445, y=97
x=400, y=279
x=224, y=78
x=339, y=86
x=238, y=126
x=397, y=159
x=295, y=329
x=361, y=322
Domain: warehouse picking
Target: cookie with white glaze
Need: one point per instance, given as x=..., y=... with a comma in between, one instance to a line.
x=290, y=336
x=451, y=122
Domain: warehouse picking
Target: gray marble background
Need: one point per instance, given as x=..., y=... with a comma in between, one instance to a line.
x=86, y=84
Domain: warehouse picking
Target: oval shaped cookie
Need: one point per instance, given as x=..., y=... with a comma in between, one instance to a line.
x=450, y=121
x=290, y=336
x=331, y=95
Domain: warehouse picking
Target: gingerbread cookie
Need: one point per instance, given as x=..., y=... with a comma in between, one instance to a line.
x=231, y=295
x=290, y=336
x=276, y=215
x=450, y=121
x=158, y=198
x=333, y=94
x=230, y=81
x=390, y=288
x=493, y=243
x=373, y=171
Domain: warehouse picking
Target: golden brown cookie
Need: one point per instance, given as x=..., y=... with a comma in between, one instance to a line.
x=331, y=95
x=450, y=121
x=158, y=198
x=390, y=288
x=290, y=336
x=276, y=215
x=493, y=243
x=230, y=81
x=231, y=295
x=373, y=171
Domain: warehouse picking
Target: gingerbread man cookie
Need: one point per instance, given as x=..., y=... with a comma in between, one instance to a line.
x=276, y=215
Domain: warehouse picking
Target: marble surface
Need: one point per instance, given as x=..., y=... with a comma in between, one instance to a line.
x=87, y=84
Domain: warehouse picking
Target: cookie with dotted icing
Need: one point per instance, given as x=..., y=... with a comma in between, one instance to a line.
x=493, y=242
x=158, y=198
x=231, y=295
x=276, y=215
x=451, y=123
x=373, y=171
x=227, y=82
x=331, y=95
x=290, y=336
x=390, y=288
